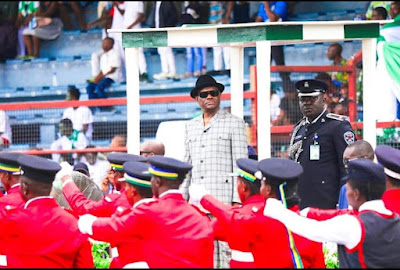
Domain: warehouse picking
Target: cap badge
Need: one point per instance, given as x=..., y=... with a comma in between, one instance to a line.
x=306, y=84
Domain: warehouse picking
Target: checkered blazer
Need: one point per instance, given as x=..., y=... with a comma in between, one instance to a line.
x=213, y=151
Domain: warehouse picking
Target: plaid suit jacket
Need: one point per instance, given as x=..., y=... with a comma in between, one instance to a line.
x=213, y=151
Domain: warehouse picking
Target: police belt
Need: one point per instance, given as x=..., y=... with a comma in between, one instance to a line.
x=241, y=256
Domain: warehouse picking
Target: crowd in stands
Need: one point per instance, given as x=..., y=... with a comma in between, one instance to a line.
x=24, y=25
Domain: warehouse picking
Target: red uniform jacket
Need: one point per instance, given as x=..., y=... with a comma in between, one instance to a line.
x=224, y=233
x=44, y=235
x=12, y=198
x=269, y=241
x=391, y=199
x=173, y=233
x=103, y=208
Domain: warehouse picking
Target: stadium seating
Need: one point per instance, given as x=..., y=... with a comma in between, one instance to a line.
x=69, y=58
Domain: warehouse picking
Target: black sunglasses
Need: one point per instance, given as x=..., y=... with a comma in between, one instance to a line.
x=213, y=93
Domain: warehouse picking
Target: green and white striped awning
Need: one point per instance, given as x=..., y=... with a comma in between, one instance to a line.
x=248, y=33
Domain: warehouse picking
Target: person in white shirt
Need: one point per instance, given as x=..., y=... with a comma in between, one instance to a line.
x=5, y=130
x=110, y=69
x=98, y=168
x=68, y=139
x=81, y=116
x=133, y=17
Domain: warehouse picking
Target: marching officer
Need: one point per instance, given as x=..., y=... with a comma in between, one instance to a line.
x=110, y=202
x=174, y=233
x=269, y=242
x=317, y=142
x=42, y=234
x=248, y=187
x=9, y=176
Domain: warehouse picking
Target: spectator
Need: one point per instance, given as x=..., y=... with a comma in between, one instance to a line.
x=165, y=15
x=204, y=18
x=342, y=109
x=317, y=143
x=68, y=139
x=220, y=13
x=374, y=4
x=358, y=149
x=118, y=141
x=98, y=168
x=8, y=39
x=5, y=130
x=275, y=11
x=48, y=27
x=368, y=232
x=81, y=116
x=334, y=54
x=289, y=111
x=9, y=9
x=110, y=68
x=26, y=10
x=241, y=12
x=379, y=13
x=275, y=101
x=118, y=11
x=333, y=95
x=214, y=141
x=78, y=12
x=152, y=147
x=133, y=17
x=194, y=55
x=104, y=19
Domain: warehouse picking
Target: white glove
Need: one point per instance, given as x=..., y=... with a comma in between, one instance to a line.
x=273, y=208
x=85, y=223
x=66, y=169
x=196, y=193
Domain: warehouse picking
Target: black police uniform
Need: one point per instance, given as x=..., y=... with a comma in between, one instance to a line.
x=319, y=148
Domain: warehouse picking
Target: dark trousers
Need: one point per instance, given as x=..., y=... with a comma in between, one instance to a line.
x=279, y=58
x=98, y=90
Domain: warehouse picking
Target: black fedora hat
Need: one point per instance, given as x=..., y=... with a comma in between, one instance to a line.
x=204, y=81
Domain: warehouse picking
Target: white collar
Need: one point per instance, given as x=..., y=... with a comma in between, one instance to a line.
x=15, y=185
x=171, y=191
x=36, y=198
x=316, y=119
x=375, y=205
x=143, y=201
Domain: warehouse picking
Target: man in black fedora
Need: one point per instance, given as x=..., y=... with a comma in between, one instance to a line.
x=214, y=141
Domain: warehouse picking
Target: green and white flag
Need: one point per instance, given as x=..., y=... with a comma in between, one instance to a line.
x=387, y=81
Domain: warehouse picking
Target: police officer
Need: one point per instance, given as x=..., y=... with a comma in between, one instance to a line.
x=318, y=141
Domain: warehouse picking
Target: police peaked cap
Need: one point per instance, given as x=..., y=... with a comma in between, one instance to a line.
x=389, y=158
x=310, y=88
x=38, y=168
x=365, y=170
x=279, y=169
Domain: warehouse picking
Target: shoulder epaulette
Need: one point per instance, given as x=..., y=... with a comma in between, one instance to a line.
x=335, y=116
x=300, y=121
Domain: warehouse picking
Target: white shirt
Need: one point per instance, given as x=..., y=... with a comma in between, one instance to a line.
x=109, y=60
x=98, y=171
x=118, y=18
x=5, y=129
x=79, y=117
x=275, y=110
x=157, y=15
x=132, y=11
x=63, y=143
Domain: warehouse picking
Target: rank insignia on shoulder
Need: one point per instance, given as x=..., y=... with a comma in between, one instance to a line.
x=254, y=209
x=336, y=116
x=9, y=207
x=108, y=199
